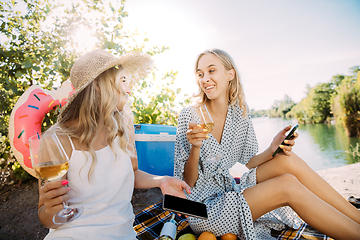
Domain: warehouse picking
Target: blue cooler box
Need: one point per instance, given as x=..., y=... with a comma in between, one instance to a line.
x=155, y=145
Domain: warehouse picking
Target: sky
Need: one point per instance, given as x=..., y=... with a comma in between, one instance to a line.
x=279, y=46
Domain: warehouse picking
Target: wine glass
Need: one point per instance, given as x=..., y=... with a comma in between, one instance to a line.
x=50, y=162
x=208, y=124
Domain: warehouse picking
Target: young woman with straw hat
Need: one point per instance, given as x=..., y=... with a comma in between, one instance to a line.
x=97, y=133
x=270, y=189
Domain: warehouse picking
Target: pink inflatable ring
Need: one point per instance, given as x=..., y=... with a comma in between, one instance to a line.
x=27, y=116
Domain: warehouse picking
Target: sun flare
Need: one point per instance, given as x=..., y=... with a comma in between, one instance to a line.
x=84, y=39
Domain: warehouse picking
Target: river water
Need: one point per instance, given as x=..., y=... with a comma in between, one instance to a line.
x=322, y=146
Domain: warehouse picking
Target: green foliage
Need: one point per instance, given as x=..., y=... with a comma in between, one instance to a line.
x=10, y=170
x=259, y=113
x=346, y=103
x=281, y=108
x=40, y=49
x=30, y=55
x=319, y=103
x=340, y=98
x=315, y=108
x=337, y=80
x=5, y=158
x=25, y=59
x=355, y=151
x=157, y=107
x=299, y=111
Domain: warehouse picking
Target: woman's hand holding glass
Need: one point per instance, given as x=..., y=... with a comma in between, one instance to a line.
x=196, y=134
x=277, y=140
x=207, y=125
x=50, y=162
x=52, y=195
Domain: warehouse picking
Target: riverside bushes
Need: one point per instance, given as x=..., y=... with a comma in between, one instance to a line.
x=338, y=99
x=346, y=105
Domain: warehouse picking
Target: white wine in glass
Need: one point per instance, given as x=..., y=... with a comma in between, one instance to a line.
x=51, y=171
x=50, y=163
x=208, y=124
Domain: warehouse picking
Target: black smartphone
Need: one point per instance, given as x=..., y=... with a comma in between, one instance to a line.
x=291, y=133
x=184, y=206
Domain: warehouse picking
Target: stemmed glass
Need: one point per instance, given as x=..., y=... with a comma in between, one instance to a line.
x=208, y=124
x=50, y=162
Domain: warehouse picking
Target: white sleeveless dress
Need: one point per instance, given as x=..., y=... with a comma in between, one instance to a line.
x=108, y=213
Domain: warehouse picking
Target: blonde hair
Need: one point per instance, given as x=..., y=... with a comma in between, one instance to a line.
x=236, y=93
x=98, y=102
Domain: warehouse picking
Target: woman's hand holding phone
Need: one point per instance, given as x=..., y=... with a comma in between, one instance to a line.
x=284, y=145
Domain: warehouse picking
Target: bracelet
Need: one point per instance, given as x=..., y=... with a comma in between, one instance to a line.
x=42, y=206
x=40, y=210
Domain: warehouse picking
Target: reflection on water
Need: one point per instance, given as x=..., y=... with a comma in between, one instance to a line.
x=322, y=146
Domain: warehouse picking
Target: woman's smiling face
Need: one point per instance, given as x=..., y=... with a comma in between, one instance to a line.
x=212, y=76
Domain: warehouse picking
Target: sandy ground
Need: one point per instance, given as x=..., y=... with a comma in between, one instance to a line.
x=18, y=204
x=345, y=179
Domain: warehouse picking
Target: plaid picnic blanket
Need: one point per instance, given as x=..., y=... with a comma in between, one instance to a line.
x=149, y=222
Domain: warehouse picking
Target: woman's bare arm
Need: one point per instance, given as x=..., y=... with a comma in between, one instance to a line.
x=196, y=134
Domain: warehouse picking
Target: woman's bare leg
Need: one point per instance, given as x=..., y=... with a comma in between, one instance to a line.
x=286, y=190
x=294, y=165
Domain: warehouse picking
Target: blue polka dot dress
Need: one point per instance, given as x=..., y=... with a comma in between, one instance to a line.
x=228, y=211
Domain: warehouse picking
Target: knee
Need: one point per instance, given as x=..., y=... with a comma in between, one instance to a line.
x=290, y=164
x=288, y=184
x=288, y=179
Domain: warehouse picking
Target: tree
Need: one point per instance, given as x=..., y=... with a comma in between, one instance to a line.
x=40, y=49
x=319, y=102
x=282, y=107
x=259, y=113
x=339, y=98
x=337, y=80
x=315, y=107
x=299, y=111
x=345, y=103
x=25, y=59
x=161, y=104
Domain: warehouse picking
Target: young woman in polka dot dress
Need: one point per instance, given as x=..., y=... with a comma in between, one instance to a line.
x=270, y=189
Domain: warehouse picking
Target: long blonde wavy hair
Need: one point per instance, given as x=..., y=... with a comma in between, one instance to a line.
x=236, y=93
x=95, y=105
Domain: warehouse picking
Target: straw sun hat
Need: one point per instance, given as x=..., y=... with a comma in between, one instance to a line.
x=90, y=65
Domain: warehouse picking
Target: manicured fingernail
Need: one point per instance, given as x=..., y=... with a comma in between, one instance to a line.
x=281, y=146
x=199, y=125
x=207, y=136
x=64, y=182
x=286, y=141
x=189, y=191
x=204, y=130
x=68, y=188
